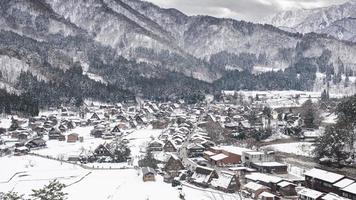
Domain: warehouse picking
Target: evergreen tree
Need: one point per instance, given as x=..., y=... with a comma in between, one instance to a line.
x=14, y=125
x=332, y=143
x=325, y=95
x=347, y=80
x=12, y=196
x=148, y=160
x=309, y=114
x=52, y=191
x=267, y=112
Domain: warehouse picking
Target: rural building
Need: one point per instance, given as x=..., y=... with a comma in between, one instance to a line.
x=148, y=174
x=270, y=167
x=309, y=194
x=321, y=180
x=253, y=189
x=72, y=138
x=173, y=166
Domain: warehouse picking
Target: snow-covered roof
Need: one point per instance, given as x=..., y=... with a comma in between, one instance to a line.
x=253, y=153
x=267, y=194
x=254, y=186
x=332, y=196
x=223, y=181
x=200, y=178
x=242, y=168
x=234, y=149
x=350, y=189
x=284, y=184
x=174, y=156
x=310, y=193
x=209, y=153
x=195, y=146
x=323, y=175
x=146, y=170
x=270, y=164
x=218, y=157
x=343, y=183
x=263, y=177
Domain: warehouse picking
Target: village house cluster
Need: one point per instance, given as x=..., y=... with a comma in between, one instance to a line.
x=210, y=145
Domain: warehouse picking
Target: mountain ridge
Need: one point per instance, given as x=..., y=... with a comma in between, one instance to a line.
x=132, y=43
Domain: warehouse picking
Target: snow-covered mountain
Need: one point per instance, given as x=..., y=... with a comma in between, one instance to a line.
x=336, y=20
x=132, y=42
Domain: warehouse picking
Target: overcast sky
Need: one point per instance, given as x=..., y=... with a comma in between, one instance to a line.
x=249, y=10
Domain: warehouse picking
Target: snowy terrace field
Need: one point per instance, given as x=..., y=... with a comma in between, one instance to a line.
x=297, y=148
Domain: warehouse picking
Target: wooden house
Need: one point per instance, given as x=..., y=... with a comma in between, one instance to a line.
x=321, y=180
x=21, y=150
x=195, y=150
x=253, y=189
x=269, y=181
x=155, y=145
x=343, y=183
x=267, y=196
x=270, y=167
x=173, y=166
x=141, y=120
x=169, y=146
x=111, y=152
x=148, y=174
x=72, y=138
x=95, y=117
x=62, y=128
x=349, y=191
x=55, y=134
x=309, y=194
x=98, y=131
x=116, y=130
x=36, y=143
x=226, y=182
x=203, y=176
x=286, y=188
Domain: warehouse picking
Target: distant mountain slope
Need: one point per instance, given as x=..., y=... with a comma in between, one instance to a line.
x=336, y=20
x=133, y=45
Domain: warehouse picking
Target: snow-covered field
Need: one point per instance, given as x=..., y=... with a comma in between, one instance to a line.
x=297, y=148
x=24, y=173
x=5, y=122
x=62, y=149
x=31, y=172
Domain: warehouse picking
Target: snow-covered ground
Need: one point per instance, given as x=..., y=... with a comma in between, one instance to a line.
x=31, y=172
x=24, y=173
x=297, y=148
x=62, y=149
x=5, y=122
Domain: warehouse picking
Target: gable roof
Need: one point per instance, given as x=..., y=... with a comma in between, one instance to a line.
x=223, y=181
